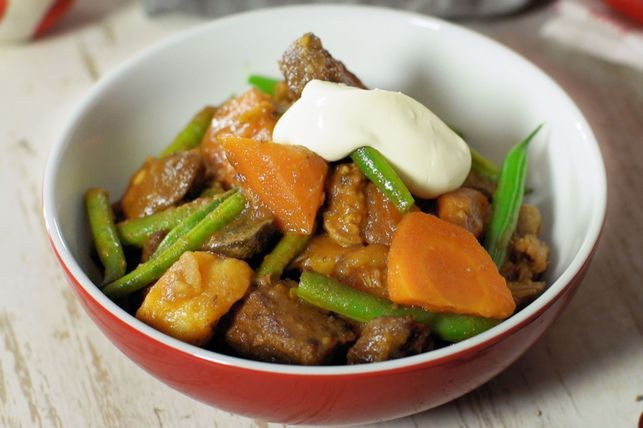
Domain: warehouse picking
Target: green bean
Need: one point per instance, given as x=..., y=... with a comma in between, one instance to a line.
x=190, y=137
x=190, y=221
x=151, y=270
x=137, y=230
x=507, y=200
x=101, y=222
x=377, y=169
x=331, y=295
x=483, y=166
x=263, y=83
x=290, y=245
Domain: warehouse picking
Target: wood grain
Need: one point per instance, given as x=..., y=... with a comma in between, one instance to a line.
x=58, y=370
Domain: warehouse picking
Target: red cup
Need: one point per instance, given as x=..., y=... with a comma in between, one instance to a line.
x=27, y=19
x=630, y=8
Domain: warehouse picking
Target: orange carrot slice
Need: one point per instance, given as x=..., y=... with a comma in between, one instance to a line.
x=443, y=268
x=289, y=180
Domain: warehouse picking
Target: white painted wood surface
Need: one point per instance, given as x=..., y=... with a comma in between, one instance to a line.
x=58, y=370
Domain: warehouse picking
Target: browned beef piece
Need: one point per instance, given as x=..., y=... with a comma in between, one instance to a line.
x=243, y=238
x=364, y=268
x=151, y=244
x=306, y=60
x=320, y=255
x=382, y=217
x=161, y=183
x=527, y=257
x=273, y=326
x=466, y=208
x=346, y=212
x=387, y=338
x=482, y=184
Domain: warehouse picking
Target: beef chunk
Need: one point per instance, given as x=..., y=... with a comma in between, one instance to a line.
x=346, y=211
x=243, y=238
x=162, y=183
x=527, y=257
x=480, y=183
x=364, y=268
x=151, y=244
x=272, y=326
x=387, y=338
x=382, y=217
x=306, y=60
x=467, y=208
x=320, y=255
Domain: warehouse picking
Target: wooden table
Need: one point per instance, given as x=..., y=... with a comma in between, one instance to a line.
x=57, y=369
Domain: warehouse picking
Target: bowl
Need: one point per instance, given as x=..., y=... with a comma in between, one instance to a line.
x=489, y=92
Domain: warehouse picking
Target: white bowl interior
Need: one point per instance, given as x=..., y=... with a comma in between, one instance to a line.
x=494, y=96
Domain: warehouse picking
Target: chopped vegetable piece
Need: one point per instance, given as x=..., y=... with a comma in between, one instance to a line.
x=443, y=268
x=507, y=200
x=190, y=221
x=381, y=173
x=147, y=272
x=252, y=114
x=194, y=293
x=101, y=222
x=331, y=295
x=190, y=137
x=289, y=180
x=484, y=167
x=137, y=230
x=263, y=83
x=288, y=247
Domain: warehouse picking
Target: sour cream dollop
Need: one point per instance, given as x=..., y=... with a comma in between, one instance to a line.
x=333, y=120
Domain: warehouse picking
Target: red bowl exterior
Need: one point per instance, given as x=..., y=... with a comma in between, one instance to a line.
x=325, y=399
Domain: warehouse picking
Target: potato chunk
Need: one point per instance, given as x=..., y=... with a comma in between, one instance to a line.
x=197, y=290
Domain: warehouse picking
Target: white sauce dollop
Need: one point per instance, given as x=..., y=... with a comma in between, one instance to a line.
x=333, y=119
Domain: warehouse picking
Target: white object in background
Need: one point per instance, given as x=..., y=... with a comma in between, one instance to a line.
x=590, y=26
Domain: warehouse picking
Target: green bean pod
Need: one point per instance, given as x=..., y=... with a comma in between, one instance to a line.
x=137, y=230
x=190, y=221
x=190, y=137
x=483, y=166
x=101, y=222
x=377, y=169
x=263, y=83
x=331, y=295
x=507, y=200
x=153, y=269
x=288, y=247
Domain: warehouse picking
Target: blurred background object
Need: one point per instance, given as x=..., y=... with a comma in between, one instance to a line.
x=593, y=27
x=443, y=8
x=25, y=19
x=630, y=8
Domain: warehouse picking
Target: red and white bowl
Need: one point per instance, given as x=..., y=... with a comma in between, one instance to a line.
x=489, y=92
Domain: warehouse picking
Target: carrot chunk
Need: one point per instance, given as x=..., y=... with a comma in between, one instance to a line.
x=288, y=180
x=443, y=268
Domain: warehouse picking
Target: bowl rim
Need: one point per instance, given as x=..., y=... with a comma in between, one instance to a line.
x=568, y=277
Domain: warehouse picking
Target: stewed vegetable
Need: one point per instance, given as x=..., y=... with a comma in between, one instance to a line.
x=310, y=220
